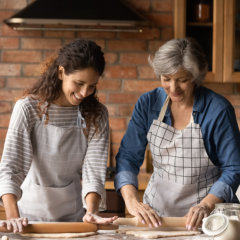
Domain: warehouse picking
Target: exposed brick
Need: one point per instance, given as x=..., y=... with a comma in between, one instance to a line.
x=4, y=120
x=126, y=110
x=122, y=98
x=59, y=34
x=167, y=33
x=112, y=110
x=4, y=14
x=115, y=149
x=3, y=133
x=221, y=88
x=111, y=58
x=234, y=99
x=161, y=19
x=130, y=45
x=10, y=95
x=146, y=34
x=2, y=82
x=13, y=4
x=120, y=72
x=105, y=35
x=117, y=136
x=109, y=85
x=140, y=85
x=22, y=56
x=102, y=97
x=40, y=43
x=237, y=111
x=153, y=46
x=5, y=30
x=7, y=69
x=162, y=5
x=117, y=123
x=32, y=70
x=20, y=82
x=134, y=58
x=5, y=107
x=9, y=43
x=146, y=72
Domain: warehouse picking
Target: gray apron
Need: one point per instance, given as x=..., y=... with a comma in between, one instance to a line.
x=182, y=171
x=52, y=188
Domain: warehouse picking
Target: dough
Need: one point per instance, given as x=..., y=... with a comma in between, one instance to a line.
x=58, y=235
x=4, y=237
x=159, y=234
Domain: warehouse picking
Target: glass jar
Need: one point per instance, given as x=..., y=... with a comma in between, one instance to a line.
x=224, y=222
x=202, y=11
x=231, y=210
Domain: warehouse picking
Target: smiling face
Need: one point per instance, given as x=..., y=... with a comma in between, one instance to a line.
x=179, y=86
x=76, y=86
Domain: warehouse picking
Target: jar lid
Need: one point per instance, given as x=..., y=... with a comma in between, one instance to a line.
x=215, y=224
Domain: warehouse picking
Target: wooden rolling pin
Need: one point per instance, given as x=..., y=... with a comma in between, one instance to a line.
x=166, y=222
x=62, y=227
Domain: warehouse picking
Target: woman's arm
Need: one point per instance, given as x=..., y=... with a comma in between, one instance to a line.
x=92, y=201
x=10, y=206
x=13, y=222
x=143, y=212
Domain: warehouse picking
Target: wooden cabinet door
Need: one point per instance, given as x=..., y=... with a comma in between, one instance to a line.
x=231, y=62
x=209, y=34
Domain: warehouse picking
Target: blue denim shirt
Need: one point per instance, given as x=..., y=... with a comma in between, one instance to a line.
x=221, y=136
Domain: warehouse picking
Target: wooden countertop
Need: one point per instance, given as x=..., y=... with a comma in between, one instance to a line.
x=143, y=179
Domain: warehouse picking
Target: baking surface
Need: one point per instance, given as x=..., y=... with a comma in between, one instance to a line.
x=107, y=235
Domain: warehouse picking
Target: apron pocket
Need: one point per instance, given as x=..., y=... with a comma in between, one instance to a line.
x=48, y=203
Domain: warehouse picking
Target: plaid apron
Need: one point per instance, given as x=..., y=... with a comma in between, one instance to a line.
x=182, y=171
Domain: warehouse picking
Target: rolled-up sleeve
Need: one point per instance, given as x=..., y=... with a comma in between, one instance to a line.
x=95, y=161
x=226, y=146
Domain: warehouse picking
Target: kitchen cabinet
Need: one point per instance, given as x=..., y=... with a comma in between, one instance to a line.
x=219, y=35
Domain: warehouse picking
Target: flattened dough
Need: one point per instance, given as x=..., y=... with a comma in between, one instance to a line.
x=159, y=234
x=58, y=235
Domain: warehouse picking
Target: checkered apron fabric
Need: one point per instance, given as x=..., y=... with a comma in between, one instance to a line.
x=183, y=173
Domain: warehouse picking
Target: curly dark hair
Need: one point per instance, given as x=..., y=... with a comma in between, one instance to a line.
x=76, y=55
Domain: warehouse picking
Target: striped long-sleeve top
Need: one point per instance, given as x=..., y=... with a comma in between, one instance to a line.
x=18, y=153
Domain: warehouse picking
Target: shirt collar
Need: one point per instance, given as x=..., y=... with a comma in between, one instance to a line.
x=198, y=106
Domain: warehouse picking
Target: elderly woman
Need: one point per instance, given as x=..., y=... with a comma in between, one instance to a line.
x=193, y=136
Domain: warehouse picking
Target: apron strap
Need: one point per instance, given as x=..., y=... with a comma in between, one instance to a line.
x=164, y=109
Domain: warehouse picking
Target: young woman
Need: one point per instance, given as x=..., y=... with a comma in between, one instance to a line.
x=54, y=160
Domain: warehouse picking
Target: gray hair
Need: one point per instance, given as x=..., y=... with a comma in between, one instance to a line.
x=180, y=53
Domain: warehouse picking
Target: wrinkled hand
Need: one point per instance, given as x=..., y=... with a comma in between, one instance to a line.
x=93, y=218
x=144, y=213
x=195, y=216
x=14, y=224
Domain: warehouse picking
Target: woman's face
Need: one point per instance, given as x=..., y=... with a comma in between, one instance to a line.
x=76, y=86
x=179, y=86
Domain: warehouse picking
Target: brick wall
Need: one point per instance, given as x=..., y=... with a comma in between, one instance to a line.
x=127, y=73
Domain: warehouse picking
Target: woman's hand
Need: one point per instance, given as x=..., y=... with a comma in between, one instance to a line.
x=93, y=218
x=195, y=216
x=14, y=224
x=144, y=213
x=200, y=211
